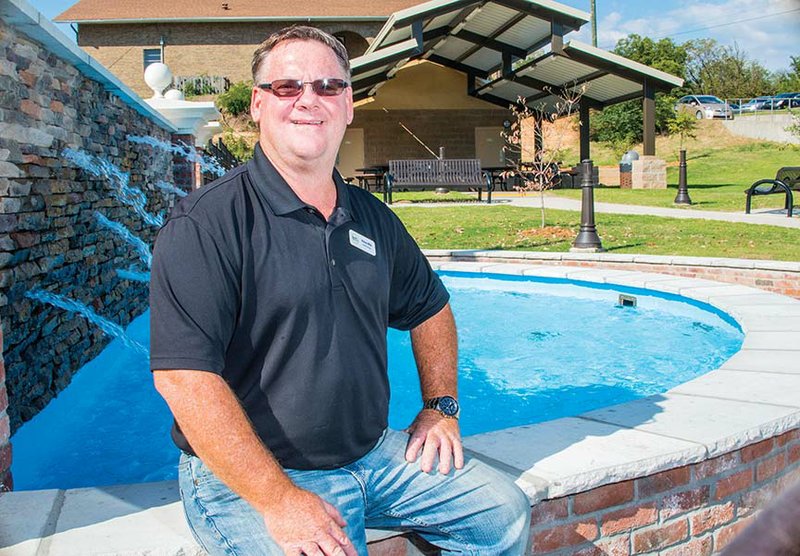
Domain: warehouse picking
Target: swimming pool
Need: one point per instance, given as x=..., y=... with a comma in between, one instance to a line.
x=532, y=349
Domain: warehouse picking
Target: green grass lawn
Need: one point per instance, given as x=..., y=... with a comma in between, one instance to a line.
x=720, y=166
x=717, y=178
x=517, y=228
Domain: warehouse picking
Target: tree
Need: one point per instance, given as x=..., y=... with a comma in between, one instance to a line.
x=788, y=81
x=724, y=71
x=684, y=125
x=621, y=125
x=535, y=161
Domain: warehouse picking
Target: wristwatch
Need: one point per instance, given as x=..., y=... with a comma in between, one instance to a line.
x=446, y=405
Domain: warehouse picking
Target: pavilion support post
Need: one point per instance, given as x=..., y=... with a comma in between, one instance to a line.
x=649, y=172
x=584, y=131
x=649, y=119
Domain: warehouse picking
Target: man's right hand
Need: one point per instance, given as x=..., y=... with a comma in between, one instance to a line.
x=303, y=523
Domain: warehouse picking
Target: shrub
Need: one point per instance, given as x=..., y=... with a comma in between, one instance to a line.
x=236, y=100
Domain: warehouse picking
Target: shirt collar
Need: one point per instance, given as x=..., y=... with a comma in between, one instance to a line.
x=280, y=196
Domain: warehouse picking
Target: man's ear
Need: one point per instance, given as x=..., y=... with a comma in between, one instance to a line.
x=255, y=104
x=349, y=93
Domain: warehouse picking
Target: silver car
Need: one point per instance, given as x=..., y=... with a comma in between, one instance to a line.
x=704, y=106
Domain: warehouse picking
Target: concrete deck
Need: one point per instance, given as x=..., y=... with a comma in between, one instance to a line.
x=753, y=395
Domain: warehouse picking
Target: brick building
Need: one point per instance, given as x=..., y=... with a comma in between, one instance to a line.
x=426, y=76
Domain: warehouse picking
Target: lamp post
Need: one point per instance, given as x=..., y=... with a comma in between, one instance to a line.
x=682, y=198
x=587, y=240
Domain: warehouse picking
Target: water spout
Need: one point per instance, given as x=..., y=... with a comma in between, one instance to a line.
x=107, y=326
x=207, y=165
x=127, y=235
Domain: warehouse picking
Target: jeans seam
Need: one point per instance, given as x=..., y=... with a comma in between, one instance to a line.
x=438, y=528
x=207, y=518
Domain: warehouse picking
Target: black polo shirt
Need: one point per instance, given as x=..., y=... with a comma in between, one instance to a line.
x=251, y=283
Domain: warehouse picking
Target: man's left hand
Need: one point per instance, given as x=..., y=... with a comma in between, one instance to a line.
x=435, y=434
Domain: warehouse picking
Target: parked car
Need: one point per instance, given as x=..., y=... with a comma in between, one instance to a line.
x=704, y=106
x=787, y=100
x=758, y=103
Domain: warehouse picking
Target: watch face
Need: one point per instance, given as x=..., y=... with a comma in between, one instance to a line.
x=448, y=405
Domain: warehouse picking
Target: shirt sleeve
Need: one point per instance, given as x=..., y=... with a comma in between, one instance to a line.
x=416, y=292
x=194, y=299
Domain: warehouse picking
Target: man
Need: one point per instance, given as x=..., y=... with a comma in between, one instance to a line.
x=271, y=292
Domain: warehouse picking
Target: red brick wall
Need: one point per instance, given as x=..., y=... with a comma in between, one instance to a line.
x=454, y=130
x=691, y=510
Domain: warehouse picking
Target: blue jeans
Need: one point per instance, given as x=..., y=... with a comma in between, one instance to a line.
x=474, y=510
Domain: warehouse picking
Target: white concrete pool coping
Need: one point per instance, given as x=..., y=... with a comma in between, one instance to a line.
x=751, y=396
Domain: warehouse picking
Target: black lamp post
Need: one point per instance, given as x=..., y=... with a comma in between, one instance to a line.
x=682, y=198
x=587, y=239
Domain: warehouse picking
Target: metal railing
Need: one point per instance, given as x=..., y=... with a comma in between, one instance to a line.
x=202, y=84
x=223, y=155
x=762, y=105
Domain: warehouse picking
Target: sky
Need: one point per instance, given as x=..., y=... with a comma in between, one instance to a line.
x=768, y=31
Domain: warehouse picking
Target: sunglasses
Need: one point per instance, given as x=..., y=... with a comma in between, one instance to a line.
x=329, y=87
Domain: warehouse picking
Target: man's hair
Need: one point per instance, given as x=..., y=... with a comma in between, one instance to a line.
x=299, y=33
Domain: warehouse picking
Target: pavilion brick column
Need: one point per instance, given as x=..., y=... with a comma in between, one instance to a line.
x=649, y=172
x=185, y=173
x=6, y=483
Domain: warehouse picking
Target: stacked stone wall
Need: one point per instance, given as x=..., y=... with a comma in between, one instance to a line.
x=49, y=238
x=5, y=428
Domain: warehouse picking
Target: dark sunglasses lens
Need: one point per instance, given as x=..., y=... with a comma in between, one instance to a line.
x=329, y=87
x=286, y=87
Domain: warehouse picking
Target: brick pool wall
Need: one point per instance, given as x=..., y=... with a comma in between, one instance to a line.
x=774, y=276
x=48, y=236
x=693, y=510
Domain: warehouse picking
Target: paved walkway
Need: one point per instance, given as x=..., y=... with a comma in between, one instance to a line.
x=772, y=217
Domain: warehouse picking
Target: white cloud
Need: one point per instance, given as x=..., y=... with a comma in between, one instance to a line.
x=768, y=40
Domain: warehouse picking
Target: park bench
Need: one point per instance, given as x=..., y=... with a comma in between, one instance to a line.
x=464, y=174
x=787, y=179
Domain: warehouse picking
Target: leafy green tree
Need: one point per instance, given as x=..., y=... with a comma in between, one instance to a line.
x=684, y=125
x=789, y=81
x=621, y=125
x=236, y=100
x=725, y=71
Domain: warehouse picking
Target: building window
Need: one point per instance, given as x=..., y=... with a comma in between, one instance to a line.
x=151, y=56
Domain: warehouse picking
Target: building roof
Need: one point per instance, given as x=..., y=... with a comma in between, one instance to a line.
x=510, y=50
x=126, y=11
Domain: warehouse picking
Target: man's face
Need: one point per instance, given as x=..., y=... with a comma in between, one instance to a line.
x=306, y=129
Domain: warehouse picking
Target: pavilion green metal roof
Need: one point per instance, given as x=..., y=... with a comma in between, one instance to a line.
x=509, y=49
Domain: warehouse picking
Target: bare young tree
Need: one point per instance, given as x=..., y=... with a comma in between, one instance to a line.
x=532, y=154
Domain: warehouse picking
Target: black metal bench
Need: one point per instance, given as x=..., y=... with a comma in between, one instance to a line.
x=787, y=179
x=463, y=174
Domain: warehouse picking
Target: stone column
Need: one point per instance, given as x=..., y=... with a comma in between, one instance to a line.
x=649, y=172
x=6, y=483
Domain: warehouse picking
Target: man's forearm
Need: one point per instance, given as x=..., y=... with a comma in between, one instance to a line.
x=435, y=346
x=220, y=433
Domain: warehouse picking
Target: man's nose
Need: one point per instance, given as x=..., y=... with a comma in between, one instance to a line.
x=307, y=94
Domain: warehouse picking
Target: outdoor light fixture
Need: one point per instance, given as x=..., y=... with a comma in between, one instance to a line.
x=587, y=240
x=682, y=198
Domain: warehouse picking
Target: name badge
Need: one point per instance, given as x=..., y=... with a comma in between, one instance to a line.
x=362, y=242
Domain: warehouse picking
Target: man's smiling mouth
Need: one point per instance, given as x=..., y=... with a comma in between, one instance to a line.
x=307, y=122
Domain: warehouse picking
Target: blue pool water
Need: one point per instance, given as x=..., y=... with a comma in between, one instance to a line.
x=530, y=350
